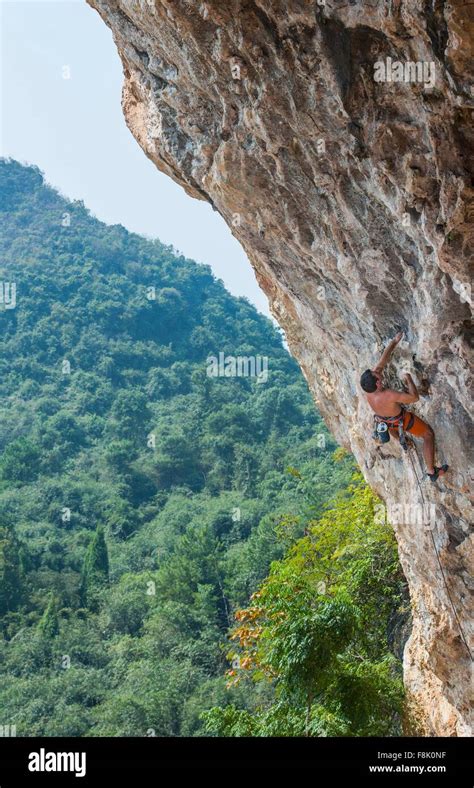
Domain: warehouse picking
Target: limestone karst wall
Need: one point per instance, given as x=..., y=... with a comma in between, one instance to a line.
x=352, y=196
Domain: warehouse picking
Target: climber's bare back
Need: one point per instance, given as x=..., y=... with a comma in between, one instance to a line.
x=385, y=402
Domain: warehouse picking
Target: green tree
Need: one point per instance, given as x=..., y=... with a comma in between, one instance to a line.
x=10, y=571
x=48, y=625
x=310, y=631
x=20, y=461
x=95, y=571
x=131, y=415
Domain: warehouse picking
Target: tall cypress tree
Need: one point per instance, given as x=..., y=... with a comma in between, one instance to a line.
x=10, y=571
x=95, y=570
x=49, y=622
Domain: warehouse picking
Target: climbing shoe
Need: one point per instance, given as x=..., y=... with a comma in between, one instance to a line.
x=434, y=476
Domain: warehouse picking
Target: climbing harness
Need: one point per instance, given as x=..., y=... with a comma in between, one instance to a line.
x=382, y=425
x=412, y=445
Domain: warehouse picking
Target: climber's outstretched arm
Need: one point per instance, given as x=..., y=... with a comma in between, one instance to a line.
x=385, y=357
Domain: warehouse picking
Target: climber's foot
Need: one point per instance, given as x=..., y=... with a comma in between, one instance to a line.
x=438, y=472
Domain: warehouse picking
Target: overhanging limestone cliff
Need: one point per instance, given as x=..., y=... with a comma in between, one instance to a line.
x=335, y=138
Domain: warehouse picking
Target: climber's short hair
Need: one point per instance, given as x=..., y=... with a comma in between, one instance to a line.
x=368, y=381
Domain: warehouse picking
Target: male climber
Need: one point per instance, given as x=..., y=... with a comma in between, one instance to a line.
x=389, y=407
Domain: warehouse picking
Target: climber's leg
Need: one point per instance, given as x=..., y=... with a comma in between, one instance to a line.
x=421, y=429
x=429, y=450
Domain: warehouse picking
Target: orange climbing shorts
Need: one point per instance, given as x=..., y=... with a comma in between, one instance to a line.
x=418, y=427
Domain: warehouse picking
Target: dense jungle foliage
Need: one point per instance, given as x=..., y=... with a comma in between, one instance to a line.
x=143, y=502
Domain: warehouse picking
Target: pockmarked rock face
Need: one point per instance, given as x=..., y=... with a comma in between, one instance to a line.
x=335, y=138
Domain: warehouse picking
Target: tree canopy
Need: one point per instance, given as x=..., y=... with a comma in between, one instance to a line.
x=142, y=501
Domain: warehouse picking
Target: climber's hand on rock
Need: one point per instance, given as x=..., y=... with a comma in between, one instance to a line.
x=385, y=358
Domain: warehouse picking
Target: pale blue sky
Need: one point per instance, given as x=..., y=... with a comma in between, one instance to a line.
x=74, y=130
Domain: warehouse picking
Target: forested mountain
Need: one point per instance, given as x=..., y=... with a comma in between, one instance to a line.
x=142, y=499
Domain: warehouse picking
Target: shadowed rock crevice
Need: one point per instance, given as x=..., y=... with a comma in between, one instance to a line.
x=353, y=198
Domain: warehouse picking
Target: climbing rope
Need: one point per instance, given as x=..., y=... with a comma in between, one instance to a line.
x=412, y=445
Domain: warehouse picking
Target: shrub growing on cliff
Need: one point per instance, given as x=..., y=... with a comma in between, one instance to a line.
x=316, y=632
